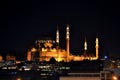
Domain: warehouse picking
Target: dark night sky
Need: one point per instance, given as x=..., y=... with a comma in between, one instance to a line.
x=22, y=22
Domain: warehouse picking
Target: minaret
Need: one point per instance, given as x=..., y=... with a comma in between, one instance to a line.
x=39, y=49
x=57, y=42
x=97, y=47
x=37, y=42
x=67, y=42
x=57, y=38
x=85, y=47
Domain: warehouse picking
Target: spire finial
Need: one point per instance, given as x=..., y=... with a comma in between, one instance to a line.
x=85, y=44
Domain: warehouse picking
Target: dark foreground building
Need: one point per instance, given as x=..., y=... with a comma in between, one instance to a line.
x=27, y=75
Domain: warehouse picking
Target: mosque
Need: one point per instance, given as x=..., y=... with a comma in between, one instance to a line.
x=45, y=49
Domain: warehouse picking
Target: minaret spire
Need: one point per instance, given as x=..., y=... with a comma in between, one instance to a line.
x=67, y=42
x=57, y=35
x=67, y=32
x=57, y=42
x=85, y=47
x=97, y=47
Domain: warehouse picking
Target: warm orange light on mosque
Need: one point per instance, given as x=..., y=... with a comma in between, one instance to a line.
x=48, y=44
x=33, y=50
x=1, y=58
x=47, y=50
x=29, y=55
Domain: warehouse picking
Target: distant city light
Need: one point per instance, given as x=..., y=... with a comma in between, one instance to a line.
x=105, y=57
x=19, y=79
x=115, y=78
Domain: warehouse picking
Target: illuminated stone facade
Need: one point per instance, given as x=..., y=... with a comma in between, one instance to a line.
x=47, y=48
x=1, y=58
x=10, y=57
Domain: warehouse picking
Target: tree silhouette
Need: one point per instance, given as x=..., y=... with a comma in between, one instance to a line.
x=52, y=60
